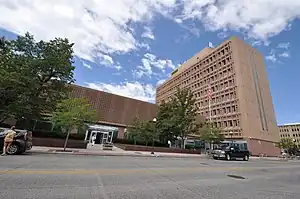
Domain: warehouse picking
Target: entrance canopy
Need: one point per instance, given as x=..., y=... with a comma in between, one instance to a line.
x=102, y=128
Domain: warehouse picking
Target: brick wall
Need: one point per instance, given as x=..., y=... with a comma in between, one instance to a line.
x=258, y=147
x=115, y=109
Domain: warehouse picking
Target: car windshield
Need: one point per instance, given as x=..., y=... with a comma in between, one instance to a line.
x=222, y=146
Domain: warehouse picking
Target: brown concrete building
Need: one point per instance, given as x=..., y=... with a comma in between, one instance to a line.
x=241, y=103
x=290, y=131
x=114, y=110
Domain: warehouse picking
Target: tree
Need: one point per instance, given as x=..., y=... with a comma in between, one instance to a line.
x=178, y=117
x=34, y=75
x=287, y=144
x=166, y=127
x=211, y=134
x=142, y=130
x=72, y=114
x=148, y=132
x=134, y=130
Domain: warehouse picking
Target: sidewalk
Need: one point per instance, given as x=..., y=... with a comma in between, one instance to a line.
x=50, y=150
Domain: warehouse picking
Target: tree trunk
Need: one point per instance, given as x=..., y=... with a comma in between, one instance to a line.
x=66, y=141
x=182, y=142
x=152, y=142
x=146, y=143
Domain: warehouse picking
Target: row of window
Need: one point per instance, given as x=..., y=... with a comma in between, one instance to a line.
x=227, y=123
x=220, y=70
x=220, y=52
x=225, y=110
x=287, y=130
x=288, y=135
x=216, y=100
x=217, y=81
x=208, y=78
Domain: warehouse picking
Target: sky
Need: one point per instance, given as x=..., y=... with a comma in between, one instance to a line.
x=128, y=47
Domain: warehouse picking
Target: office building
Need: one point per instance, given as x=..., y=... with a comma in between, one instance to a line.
x=231, y=88
x=291, y=131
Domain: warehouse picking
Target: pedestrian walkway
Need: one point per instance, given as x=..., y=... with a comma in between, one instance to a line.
x=118, y=152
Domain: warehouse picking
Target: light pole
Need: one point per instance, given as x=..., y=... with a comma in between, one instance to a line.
x=154, y=122
x=294, y=146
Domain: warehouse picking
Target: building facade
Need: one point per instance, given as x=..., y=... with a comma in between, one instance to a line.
x=231, y=88
x=291, y=131
x=114, y=111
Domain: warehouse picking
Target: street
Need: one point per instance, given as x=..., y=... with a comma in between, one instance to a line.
x=41, y=176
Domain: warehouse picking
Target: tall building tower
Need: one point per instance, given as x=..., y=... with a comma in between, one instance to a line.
x=231, y=87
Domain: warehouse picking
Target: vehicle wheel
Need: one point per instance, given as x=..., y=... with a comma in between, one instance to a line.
x=13, y=149
x=228, y=157
x=246, y=158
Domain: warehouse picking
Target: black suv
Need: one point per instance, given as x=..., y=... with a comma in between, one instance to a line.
x=22, y=141
x=231, y=151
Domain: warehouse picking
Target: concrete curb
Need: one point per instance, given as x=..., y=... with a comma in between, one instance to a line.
x=113, y=154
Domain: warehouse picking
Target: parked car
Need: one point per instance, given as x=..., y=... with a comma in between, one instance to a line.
x=22, y=141
x=230, y=151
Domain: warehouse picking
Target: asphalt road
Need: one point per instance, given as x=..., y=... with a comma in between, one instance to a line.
x=84, y=177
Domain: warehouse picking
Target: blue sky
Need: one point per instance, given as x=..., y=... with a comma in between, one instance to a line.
x=127, y=47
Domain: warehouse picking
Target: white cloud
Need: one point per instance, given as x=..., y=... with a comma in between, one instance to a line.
x=103, y=26
x=148, y=33
x=260, y=19
x=150, y=61
x=223, y=35
x=94, y=25
x=136, y=90
x=108, y=61
x=272, y=56
x=160, y=82
x=86, y=65
x=285, y=45
x=284, y=54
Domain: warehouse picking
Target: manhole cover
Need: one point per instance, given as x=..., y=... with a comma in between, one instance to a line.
x=202, y=163
x=236, y=176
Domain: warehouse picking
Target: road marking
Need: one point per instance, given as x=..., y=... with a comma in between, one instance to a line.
x=119, y=171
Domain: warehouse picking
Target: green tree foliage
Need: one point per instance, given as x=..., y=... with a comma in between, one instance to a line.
x=286, y=143
x=211, y=134
x=134, y=129
x=34, y=75
x=178, y=117
x=72, y=114
x=143, y=130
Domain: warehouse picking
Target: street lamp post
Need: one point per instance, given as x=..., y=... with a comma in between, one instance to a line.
x=294, y=146
x=154, y=122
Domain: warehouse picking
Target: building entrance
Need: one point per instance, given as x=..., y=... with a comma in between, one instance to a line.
x=103, y=134
x=101, y=137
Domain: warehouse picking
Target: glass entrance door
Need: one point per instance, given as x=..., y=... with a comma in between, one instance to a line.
x=104, y=137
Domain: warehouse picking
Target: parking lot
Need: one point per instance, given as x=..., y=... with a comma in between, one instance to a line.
x=70, y=176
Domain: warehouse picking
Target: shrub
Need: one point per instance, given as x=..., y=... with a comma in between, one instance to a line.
x=139, y=142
